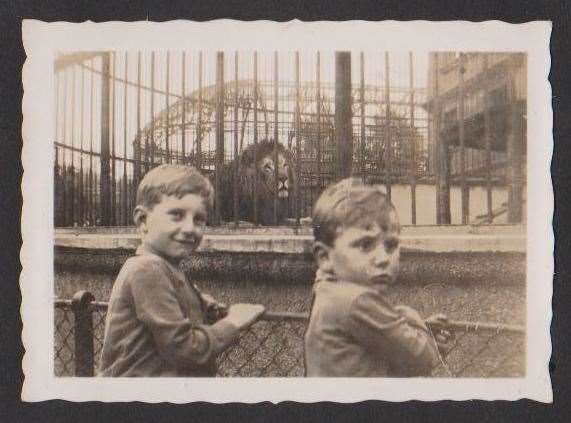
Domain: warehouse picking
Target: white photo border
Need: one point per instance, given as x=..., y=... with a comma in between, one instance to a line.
x=42, y=40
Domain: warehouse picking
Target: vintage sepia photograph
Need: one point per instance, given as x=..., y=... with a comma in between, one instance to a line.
x=294, y=213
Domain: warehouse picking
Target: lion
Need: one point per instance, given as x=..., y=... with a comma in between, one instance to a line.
x=264, y=168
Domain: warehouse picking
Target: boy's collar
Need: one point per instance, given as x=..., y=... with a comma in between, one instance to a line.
x=323, y=276
x=143, y=250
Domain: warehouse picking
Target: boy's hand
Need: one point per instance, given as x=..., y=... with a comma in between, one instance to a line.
x=244, y=315
x=411, y=315
x=444, y=338
x=208, y=299
x=214, y=309
x=445, y=341
x=437, y=321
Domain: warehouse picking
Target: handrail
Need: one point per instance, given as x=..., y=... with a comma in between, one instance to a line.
x=455, y=325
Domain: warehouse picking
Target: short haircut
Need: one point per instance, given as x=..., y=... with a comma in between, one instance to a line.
x=348, y=203
x=173, y=179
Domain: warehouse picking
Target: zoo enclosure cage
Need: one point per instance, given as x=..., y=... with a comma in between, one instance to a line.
x=118, y=114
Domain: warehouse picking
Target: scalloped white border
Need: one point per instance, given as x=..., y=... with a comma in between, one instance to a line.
x=41, y=40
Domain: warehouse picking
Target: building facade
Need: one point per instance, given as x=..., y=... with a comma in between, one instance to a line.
x=477, y=103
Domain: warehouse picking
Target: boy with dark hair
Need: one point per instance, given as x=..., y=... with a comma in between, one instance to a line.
x=353, y=329
x=157, y=320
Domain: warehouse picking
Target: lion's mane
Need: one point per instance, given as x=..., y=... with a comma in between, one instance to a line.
x=248, y=169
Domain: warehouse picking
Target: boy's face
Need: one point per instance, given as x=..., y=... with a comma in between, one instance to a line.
x=366, y=254
x=173, y=228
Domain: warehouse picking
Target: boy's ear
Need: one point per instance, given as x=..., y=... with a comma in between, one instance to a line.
x=140, y=218
x=322, y=257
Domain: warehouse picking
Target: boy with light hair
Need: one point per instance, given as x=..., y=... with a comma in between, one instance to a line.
x=157, y=320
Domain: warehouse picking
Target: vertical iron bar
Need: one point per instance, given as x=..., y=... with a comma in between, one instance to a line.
x=235, y=181
x=318, y=103
x=297, y=139
x=199, y=122
x=183, y=97
x=443, y=174
x=147, y=158
x=276, y=105
x=389, y=149
x=412, y=142
x=255, y=136
x=113, y=153
x=97, y=212
x=219, y=133
x=137, y=162
x=57, y=182
x=343, y=115
x=91, y=117
x=152, y=109
x=362, y=144
x=435, y=101
x=57, y=214
x=64, y=151
x=72, y=142
x=461, y=117
x=81, y=126
x=488, y=141
x=167, y=116
x=124, y=198
x=131, y=197
x=104, y=180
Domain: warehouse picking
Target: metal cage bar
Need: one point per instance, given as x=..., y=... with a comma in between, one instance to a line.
x=276, y=123
x=413, y=164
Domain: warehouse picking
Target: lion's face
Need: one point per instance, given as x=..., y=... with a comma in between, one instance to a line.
x=258, y=182
x=267, y=170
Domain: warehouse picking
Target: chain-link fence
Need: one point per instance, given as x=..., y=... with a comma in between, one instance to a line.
x=64, y=335
x=273, y=346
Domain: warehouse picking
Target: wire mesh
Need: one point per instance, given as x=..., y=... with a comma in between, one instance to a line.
x=64, y=350
x=268, y=349
x=99, y=315
x=482, y=354
x=273, y=347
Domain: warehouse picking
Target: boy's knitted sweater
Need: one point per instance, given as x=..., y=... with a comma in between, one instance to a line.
x=354, y=331
x=156, y=323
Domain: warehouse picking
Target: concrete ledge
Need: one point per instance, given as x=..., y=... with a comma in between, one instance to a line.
x=245, y=228
x=439, y=239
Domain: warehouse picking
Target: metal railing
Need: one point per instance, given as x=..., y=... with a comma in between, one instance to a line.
x=273, y=346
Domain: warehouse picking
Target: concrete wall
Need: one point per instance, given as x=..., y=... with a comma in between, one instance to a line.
x=441, y=252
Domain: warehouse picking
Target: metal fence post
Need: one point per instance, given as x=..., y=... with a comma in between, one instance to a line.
x=219, y=119
x=83, y=329
x=388, y=135
x=442, y=154
x=297, y=139
x=105, y=179
x=488, y=138
x=413, y=165
x=343, y=115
